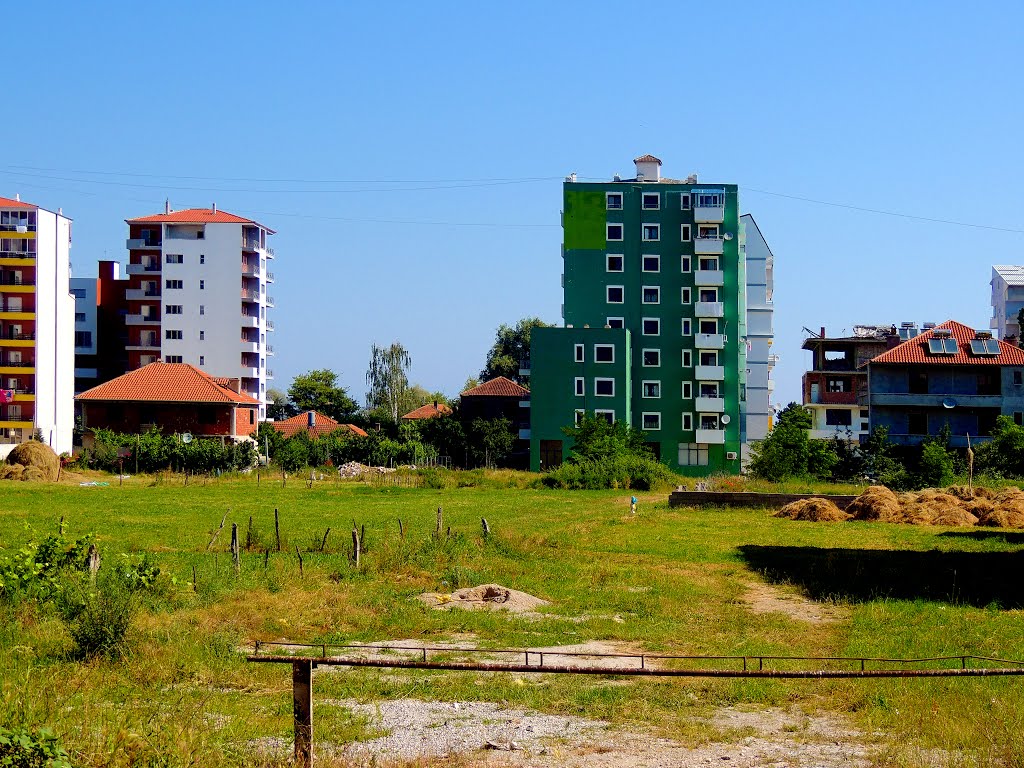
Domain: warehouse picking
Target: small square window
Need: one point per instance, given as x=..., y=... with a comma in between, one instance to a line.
x=685, y=265
x=708, y=358
x=709, y=326
x=202, y=360
x=687, y=358
x=687, y=327
x=202, y=309
x=651, y=294
x=687, y=390
x=202, y=258
x=685, y=234
x=578, y=353
x=684, y=201
x=604, y=387
x=604, y=353
x=1018, y=378
x=580, y=388
x=687, y=421
x=173, y=335
x=650, y=389
x=613, y=201
x=651, y=420
x=202, y=335
x=614, y=232
x=651, y=358
x=614, y=294
x=651, y=326
x=652, y=263
x=651, y=232
x=202, y=285
x=614, y=262
x=651, y=201
x=615, y=322
x=608, y=416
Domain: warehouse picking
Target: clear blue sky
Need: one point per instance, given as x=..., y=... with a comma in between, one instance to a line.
x=906, y=107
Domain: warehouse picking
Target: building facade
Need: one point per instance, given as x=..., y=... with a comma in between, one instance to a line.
x=501, y=398
x=761, y=359
x=36, y=326
x=950, y=375
x=101, y=335
x=198, y=294
x=655, y=283
x=1007, y=300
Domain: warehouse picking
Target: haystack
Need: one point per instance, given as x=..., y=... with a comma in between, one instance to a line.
x=33, y=475
x=11, y=471
x=877, y=503
x=955, y=517
x=1002, y=518
x=38, y=455
x=813, y=510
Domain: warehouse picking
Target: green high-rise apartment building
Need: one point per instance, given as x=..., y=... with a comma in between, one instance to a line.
x=655, y=321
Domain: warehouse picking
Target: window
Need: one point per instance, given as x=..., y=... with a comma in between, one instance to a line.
x=707, y=231
x=685, y=265
x=202, y=335
x=615, y=322
x=707, y=294
x=651, y=326
x=684, y=201
x=78, y=293
x=172, y=309
x=652, y=232
x=202, y=360
x=687, y=390
x=83, y=338
x=711, y=200
x=79, y=317
x=614, y=262
x=651, y=420
x=651, y=201
x=687, y=421
x=709, y=421
x=708, y=358
x=252, y=413
x=580, y=388
x=917, y=424
x=709, y=264
x=614, y=232
x=613, y=201
x=650, y=389
x=604, y=387
x=708, y=326
x=1018, y=418
x=173, y=284
x=615, y=294
x=578, y=353
x=608, y=416
x=202, y=309
x=171, y=334
x=201, y=235
x=1018, y=378
x=838, y=417
x=202, y=258
x=685, y=234
x=175, y=258
x=202, y=285
x=651, y=294
x=651, y=358
x=604, y=353
x=173, y=359
x=652, y=263
x=687, y=326
x=687, y=358
x=686, y=296
x=579, y=416
x=693, y=455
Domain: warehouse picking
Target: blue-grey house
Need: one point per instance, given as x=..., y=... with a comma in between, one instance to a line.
x=951, y=375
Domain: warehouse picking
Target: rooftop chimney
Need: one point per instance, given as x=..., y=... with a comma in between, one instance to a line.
x=311, y=419
x=213, y=208
x=167, y=205
x=18, y=197
x=823, y=331
x=648, y=168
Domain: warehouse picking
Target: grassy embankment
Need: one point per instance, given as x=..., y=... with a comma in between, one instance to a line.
x=667, y=580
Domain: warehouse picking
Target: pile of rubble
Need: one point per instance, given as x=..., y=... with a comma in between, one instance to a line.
x=355, y=469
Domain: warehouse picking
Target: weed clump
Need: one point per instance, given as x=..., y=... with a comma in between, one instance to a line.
x=27, y=748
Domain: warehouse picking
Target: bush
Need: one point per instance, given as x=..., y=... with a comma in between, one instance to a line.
x=27, y=748
x=642, y=473
x=154, y=452
x=98, y=615
x=936, y=467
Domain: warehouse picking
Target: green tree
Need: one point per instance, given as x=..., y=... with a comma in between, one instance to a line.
x=935, y=469
x=417, y=395
x=387, y=379
x=280, y=406
x=319, y=391
x=786, y=450
x=594, y=439
x=882, y=464
x=1004, y=454
x=511, y=346
x=493, y=439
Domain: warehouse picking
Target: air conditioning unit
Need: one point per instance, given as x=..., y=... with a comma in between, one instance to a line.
x=21, y=229
x=725, y=339
x=731, y=455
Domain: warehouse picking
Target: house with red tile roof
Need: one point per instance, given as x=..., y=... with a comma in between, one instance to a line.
x=949, y=375
x=428, y=411
x=502, y=398
x=173, y=398
x=314, y=424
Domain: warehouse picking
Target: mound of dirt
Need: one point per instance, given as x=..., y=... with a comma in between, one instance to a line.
x=813, y=510
x=37, y=455
x=877, y=503
x=484, y=597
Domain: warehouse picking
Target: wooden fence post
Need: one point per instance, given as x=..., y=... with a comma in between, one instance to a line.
x=440, y=518
x=277, y=529
x=302, y=702
x=234, y=547
x=299, y=555
x=324, y=542
x=486, y=527
x=355, y=547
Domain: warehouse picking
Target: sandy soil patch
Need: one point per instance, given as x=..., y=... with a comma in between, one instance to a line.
x=486, y=597
x=765, y=598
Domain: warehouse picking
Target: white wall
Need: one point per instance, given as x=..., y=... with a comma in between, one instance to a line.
x=760, y=331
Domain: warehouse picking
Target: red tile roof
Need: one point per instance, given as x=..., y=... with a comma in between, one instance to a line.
x=322, y=425
x=427, y=411
x=194, y=216
x=498, y=387
x=6, y=202
x=647, y=159
x=167, y=383
x=915, y=350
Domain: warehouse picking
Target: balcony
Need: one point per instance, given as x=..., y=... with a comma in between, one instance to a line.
x=710, y=246
x=11, y=311
x=524, y=434
x=144, y=345
x=837, y=398
x=270, y=373
x=270, y=277
x=250, y=295
x=270, y=300
x=905, y=400
x=710, y=436
x=142, y=319
x=270, y=325
x=250, y=244
x=709, y=341
x=709, y=309
x=15, y=280
x=140, y=243
x=252, y=347
x=251, y=270
x=250, y=321
x=709, y=404
x=709, y=373
x=270, y=349
x=144, y=268
x=708, y=277
x=709, y=214
x=249, y=372
x=269, y=252
x=141, y=294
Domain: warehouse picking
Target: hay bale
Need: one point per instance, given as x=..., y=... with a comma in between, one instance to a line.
x=877, y=503
x=11, y=471
x=935, y=507
x=1001, y=518
x=979, y=507
x=38, y=455
x=954, y=518
x=814, y=510
x=33, y=475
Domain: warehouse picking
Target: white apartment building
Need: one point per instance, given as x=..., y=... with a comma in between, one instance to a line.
x=36, y=326
x=1007, y=299
x=198, y=294
x=760, y=331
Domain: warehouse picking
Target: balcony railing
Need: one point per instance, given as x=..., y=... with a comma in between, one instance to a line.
x=250, y=295
x=270, y=325
x=17, y=364
x=708, y=246
x=137, y=243
x=709, y=341
x=709, y=373
x=270, y=277
x=708, y=277
x=270, y=349
x=18, y=228
x=709, y=309
x=709, y=404
x=17, y=254
x=837, y=398
x=250, y=244
x=710, y=436
x=7, y=307
x=270, y=300
x=138, y=269
x=251, y=270
x=16, y=281
x=17, y=337
x=709, y=214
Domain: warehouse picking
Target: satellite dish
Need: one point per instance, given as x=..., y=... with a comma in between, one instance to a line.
x=726, y=418
x=949, y=402
x=727, y=236
x=186, y=438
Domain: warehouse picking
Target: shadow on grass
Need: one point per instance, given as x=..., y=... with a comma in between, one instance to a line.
x=1010, y=537
x=965, y=578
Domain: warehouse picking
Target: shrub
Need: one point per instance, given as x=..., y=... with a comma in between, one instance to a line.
x=98, y=615
x=628, y=472
x=27, y=748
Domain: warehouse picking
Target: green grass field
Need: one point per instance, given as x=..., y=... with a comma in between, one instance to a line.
x=668, y=580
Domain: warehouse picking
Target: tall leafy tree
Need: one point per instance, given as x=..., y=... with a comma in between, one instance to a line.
x=511, y=346
x=387, y=379
x=280, y=407
x=319, y=391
